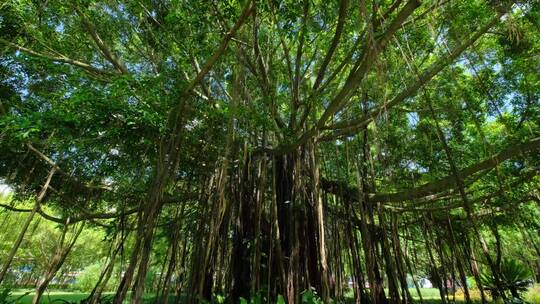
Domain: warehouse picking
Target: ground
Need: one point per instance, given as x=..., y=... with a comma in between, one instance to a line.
x=53, y=296
x=430, y=296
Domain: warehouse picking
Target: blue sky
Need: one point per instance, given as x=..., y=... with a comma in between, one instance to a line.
x=4, y=189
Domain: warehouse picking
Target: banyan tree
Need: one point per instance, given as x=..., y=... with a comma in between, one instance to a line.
x=273, y=148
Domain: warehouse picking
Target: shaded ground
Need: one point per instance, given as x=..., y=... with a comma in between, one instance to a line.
x=430, y=296
x=50, y=297
x=58, y=296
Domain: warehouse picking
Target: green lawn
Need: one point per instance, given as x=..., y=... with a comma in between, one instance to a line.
x=430, y=296
x=427, y=293
x=56, y=296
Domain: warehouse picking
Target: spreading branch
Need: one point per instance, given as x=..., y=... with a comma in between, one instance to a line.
x=432, y=188
x=59, y=58
x=351, y=127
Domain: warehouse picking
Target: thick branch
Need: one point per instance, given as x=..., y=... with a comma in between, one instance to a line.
x=344, y=4
x=87, y=216
x=248, y=9
x=59, y=170
x=62, y=58
x=105, y=50
x=370, y=57
x=355, y=78
x=446, y=183
x=346, y=128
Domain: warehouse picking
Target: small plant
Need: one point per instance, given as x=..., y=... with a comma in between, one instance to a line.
x=310, y=297
x=257, y=298
x=515, y=277
x=6, y=296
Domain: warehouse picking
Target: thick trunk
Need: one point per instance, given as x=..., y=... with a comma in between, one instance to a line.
x=243, y=236
x=300, y=218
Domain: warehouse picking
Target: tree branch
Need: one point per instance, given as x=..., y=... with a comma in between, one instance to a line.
x=446, y=183
x=62, y=58
x=87, y=216
x=370, y=56
x=343, y=6
x=248, y=9
x=105, y=50
x=347, y=128
x=59, y=170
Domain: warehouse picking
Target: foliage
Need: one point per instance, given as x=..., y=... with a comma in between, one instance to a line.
x=310, y=297
x=287, y=144
x=6, y=296
x=35, y=252
x=514, y=276
x=89, y=276
x=533, y=295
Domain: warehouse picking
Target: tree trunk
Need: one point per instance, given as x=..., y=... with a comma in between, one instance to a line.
x=37, y=205
x=434, y=271
x=56, y=262
x=95, y=294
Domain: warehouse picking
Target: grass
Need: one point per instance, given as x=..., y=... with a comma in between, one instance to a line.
x=533, y=295
x=54, y=296
x=57, y=296
x=427, y=293
x=430, y=296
